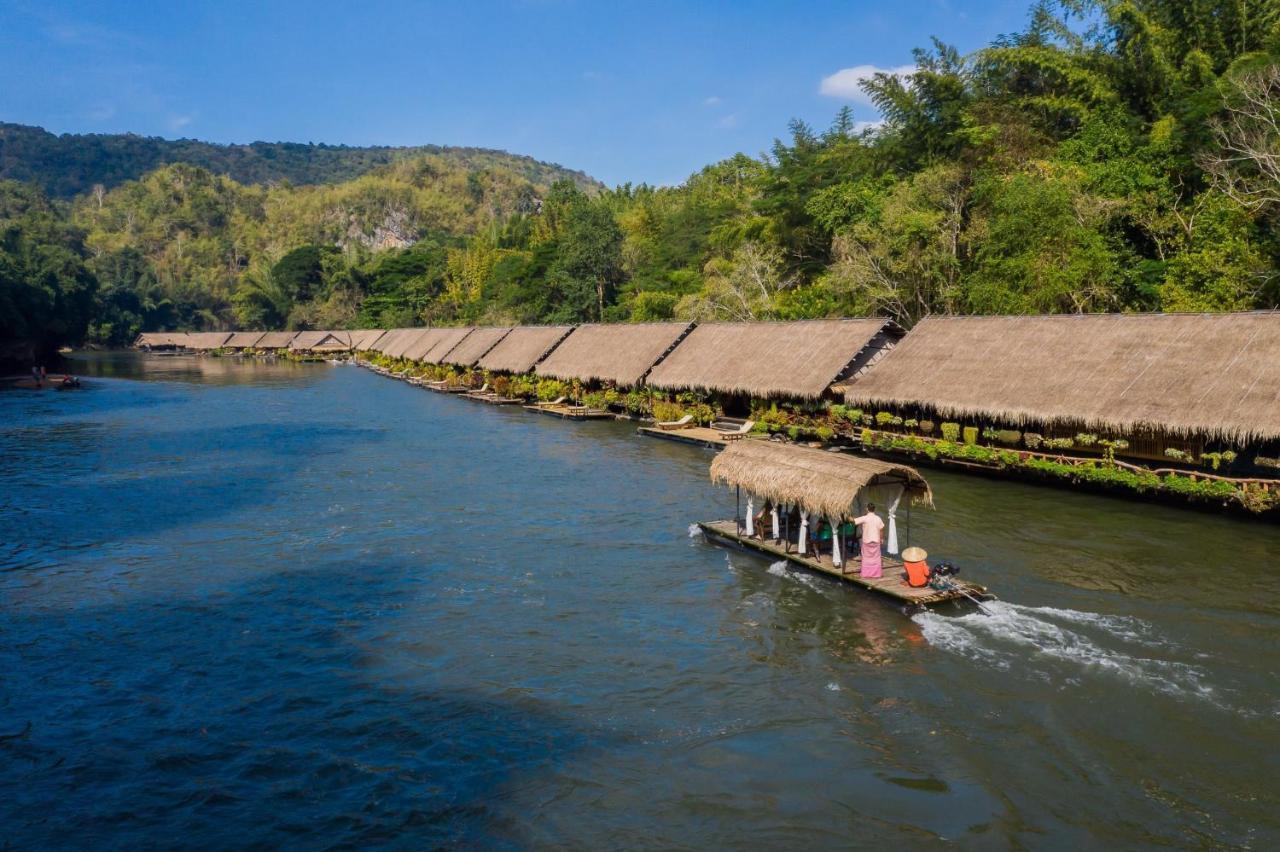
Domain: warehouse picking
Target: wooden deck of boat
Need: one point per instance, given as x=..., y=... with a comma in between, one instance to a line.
x=489, y=399
x=698, y=435
x=570, y=412
x=893, y=584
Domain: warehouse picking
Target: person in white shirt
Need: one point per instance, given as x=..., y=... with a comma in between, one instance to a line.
x=872, y=527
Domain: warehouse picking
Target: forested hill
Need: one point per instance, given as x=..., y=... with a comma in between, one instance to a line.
x=72, y=164
x=1111, y=156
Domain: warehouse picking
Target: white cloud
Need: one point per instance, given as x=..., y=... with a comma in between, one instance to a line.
x=728, y=121
x=711, y=101
x=859, y=126
x=847, y=82
x=177, y=122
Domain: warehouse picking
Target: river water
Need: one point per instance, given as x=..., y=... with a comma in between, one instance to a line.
x=306, y=605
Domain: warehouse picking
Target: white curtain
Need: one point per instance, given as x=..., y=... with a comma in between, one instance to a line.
x=887, y=498
x=751, y=516
x=804, y=531
x=773, y=520
x=835, y=543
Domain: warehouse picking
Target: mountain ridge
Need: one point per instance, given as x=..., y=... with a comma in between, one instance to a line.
x=70, y=164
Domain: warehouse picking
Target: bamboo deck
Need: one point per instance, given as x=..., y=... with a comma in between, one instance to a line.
x=700, y=436
x=892, y=585
x=570, y=412
x=490, y=399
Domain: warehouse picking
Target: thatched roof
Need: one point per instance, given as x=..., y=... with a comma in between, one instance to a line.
x=421, y=343
x=525, y=346
x=321, y=341
x=366, y=338
x=276, y=340
x=1216, y=375
x=446, y=340
x=773, y=359
x=815, y=480
x=397, y=341
x=474, y=346
x=243, y=340
x=621, y=353
x=206, y=340
x=161, y=338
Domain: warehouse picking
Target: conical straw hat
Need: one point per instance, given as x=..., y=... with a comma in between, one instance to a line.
x=914, y=554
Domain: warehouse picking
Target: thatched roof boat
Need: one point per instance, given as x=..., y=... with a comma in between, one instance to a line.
x=818, y=481
x=523, y=347
x=243, y=340
x=475, y=346
x=807, y=497
x=1210, y=375
x=365, y=339
x=321, y=341
x=276, y=340
x=798, y=360
x=622, y=354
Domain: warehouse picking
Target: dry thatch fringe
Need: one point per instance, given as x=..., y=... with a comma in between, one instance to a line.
x=525, y=346
x=475, y=345
x=622, y=353
x=275, y=340
x=445, y=343
x=365, y=339
x=1213, y=375
x=162, y=338
x=771, y=359
x=817, y=481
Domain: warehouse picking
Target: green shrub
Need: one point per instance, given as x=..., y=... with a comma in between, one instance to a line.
x=990, y=433
x=883, y=418
x=951, y=432
x=868, y=437
x=1176, y=454
x=1059, y=443
x=825, y=433
x=971, y=435
x=1010, y=437
x=1084, y=439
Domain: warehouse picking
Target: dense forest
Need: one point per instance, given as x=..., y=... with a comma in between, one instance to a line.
x=1111, y=156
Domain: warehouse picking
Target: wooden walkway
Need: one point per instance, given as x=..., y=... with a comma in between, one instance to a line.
x=893, y=584
x=697, y=435
x=570, y=412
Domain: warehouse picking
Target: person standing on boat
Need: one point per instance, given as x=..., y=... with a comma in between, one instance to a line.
x=872, y=526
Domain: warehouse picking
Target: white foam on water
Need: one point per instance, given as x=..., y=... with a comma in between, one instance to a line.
x=782, y=569
x=833, y=686
x=1010, y=635
x=695, y=531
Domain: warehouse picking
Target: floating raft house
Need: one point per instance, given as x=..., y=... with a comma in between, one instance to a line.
x=1173, y=377
x=623, y=353
x=793, y=360
x=523, y=347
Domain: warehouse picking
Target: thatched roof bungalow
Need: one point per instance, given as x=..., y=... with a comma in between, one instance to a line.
x=1205, y=376
x=394, y=343
x=445, y=341
x=622, y=354
x=817, y=481
x=522, y=348
x=796, y=360
x=206, y=341
x=161, y=340
x=276, y=340
x=365, y=339
x=243, y=340
x=321, y=342
x=474, y=346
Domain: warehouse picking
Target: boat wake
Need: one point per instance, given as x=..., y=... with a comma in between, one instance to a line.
x=1062, y=645
x=783, y=569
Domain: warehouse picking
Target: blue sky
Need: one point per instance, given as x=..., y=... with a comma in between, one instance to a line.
x=627, y=91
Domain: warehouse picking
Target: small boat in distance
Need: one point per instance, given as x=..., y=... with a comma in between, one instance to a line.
x=807, y=499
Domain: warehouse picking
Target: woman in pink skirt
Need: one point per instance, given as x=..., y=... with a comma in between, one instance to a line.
x=871, y=528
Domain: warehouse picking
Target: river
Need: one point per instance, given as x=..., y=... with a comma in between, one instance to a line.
x=304, y=605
